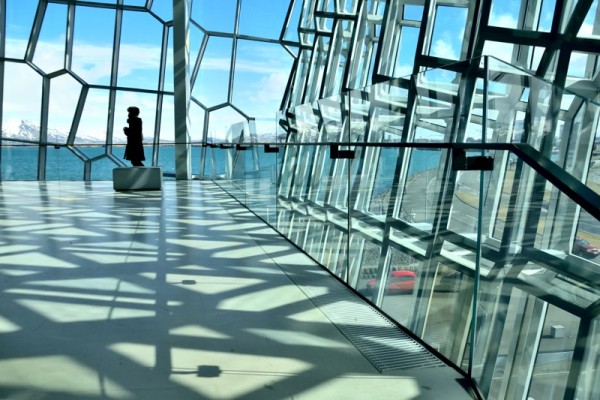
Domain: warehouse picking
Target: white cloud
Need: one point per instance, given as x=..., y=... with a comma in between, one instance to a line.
x=49, y=56
x=502, y=51
x=586, y=30
x=93, y=64
x=23, y=87
x=577, y=64
x=271, y=86
x=503, y=20
x=15, y=48
x=219, y=64
x=403, y=70
x=260, y=66
x=443, y=48
x=135, y=57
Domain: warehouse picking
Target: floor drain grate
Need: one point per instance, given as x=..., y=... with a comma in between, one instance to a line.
x=383, y=343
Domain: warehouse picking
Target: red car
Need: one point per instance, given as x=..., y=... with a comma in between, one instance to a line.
x=583, y=248
x=397, y=283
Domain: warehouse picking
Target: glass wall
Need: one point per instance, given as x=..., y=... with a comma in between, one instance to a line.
x=70, y=70
x=485, y=247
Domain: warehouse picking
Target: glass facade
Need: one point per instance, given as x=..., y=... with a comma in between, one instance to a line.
x=439, y=157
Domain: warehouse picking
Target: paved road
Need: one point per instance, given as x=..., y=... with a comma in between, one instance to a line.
x=420, y=201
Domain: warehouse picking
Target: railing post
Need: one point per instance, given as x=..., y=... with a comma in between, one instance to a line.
x=479, y=221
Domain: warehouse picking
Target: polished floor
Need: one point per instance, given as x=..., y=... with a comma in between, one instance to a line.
x=174, y=294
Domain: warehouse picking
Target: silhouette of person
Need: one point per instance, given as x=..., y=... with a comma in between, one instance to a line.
x=134, y=151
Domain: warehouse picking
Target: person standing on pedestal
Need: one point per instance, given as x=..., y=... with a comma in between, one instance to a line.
x=134, y=151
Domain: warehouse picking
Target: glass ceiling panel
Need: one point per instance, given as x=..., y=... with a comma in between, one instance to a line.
x=413, y=12
x=448, y=32
x=590, y=26
x=408, y=47
x=346, y=7
x=546, y=15
x=507, y=15
x=579, y=65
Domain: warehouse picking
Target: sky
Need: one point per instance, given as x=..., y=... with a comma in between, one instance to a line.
x=262, y=69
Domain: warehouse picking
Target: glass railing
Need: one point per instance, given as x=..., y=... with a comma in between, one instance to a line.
x=532, y=292
x=486, y=247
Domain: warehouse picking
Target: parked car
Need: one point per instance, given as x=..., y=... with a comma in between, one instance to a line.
x=583, y=248
x=398, y=282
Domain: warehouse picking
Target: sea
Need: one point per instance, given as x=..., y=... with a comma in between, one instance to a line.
x=20, y=163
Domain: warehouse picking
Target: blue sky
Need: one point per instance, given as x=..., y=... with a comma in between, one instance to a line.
x=261, y=68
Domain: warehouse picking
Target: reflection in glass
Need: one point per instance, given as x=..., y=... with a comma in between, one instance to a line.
x=445, y=326
x=383, y=183
x=554, y=356
x=364, y=270
x=588, y=386
x=400, y=280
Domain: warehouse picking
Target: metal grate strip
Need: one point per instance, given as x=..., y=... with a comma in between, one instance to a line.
x=386, y=346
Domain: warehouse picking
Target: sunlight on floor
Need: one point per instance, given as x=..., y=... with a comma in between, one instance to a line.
x=58, y=374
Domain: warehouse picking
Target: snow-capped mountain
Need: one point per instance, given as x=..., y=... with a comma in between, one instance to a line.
x=26, y=131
